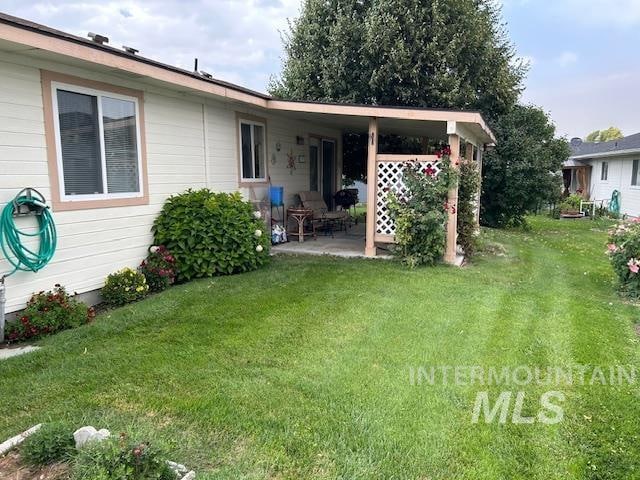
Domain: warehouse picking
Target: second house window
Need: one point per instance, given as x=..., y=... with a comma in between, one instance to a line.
x=252, y=151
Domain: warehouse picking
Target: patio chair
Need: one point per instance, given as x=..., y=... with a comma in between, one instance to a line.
x=327, y=220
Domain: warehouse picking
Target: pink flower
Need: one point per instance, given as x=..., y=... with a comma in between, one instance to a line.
x=634, y=265
x=612, y=247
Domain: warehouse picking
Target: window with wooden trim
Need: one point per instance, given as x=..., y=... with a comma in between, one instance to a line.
x=252, y=150
x=634, y=173
x=604, y=171
x=98, y=143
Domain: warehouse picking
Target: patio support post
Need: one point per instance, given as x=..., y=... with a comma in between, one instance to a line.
x=452, y=201
x=372, y=152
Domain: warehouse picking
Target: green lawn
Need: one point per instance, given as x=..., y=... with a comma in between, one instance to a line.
x=301, y=370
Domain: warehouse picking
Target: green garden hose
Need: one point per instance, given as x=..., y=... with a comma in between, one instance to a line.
x=20, y=256
x=614, y=204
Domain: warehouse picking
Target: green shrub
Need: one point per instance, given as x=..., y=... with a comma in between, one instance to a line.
x=420, y=212
x=624, y=253
x=211, y=234
x=47, y=313
x=124, y=286
x=119, y=459
x=468, y=187
x=571, y=203
x=159, y=268
x=52, y=443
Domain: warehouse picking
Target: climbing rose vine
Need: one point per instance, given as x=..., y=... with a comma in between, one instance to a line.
x=420, y=210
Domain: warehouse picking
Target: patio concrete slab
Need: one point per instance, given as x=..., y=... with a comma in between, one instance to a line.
x=348, y=244
x=14, y=352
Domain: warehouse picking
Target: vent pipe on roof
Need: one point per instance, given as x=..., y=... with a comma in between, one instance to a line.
x=195, y=65
x=99, y=39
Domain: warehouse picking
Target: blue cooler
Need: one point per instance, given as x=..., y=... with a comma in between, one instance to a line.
x=277, y=196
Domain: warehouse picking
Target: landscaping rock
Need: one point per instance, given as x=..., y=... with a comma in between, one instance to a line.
x=17, y=440
x=88, y=434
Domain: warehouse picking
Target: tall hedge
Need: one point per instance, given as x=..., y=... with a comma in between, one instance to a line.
x=211, y=234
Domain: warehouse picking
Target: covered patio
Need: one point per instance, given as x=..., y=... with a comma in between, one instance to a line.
x=465, y=132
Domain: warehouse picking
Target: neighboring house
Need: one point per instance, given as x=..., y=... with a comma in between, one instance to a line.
x=595, y=170
x=107, y=136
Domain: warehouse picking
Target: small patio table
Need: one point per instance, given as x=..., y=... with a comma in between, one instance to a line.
x=302, y=216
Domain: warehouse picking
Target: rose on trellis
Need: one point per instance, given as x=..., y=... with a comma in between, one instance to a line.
x=420, y=210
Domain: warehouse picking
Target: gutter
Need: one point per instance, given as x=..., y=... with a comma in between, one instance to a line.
x=614, y=153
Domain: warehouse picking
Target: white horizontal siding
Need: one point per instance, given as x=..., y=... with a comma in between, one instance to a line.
x=93, y=243
x=619, y=178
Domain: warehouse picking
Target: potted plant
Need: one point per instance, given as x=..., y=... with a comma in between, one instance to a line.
x=570, y=206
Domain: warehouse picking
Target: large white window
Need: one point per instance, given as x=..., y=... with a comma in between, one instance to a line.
x=98, y=143
x=252, y=151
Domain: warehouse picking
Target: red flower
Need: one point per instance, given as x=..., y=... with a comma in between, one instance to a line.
x=430, y=171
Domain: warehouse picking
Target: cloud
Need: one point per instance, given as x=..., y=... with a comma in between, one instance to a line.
x=235, y=40
x=580, y=104
x=566, y=58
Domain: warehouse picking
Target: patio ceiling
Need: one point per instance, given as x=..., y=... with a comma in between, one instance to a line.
x=360, y=124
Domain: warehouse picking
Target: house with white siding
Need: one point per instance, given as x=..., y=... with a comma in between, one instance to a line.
x=597, y=169
x=107, y=136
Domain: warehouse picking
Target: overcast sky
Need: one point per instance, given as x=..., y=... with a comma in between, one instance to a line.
x=585, y=67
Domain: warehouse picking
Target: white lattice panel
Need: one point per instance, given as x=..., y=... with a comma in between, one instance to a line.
x=389, y=179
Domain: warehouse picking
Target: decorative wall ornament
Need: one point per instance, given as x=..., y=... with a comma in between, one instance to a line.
x=291, y=162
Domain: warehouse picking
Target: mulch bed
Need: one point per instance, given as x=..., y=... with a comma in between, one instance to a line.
x=12, y=469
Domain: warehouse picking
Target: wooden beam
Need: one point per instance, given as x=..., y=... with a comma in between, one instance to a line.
x=372, y=152
x=452, y=201
x=395, y=157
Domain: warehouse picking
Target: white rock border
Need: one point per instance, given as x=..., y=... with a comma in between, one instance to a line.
x=13, y=442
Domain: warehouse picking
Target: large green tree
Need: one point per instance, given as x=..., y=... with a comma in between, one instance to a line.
x=523, y=170
x=433, y=53
x=426, y=53
x=606, y=135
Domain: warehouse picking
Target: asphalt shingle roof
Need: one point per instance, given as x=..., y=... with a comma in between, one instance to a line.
x=632, y=142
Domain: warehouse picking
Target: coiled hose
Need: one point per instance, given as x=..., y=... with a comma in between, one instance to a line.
x=12, y=239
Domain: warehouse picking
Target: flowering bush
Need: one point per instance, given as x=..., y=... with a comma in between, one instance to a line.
x=124, y=286
x=118, y=458
x=624, y=252
x=47, y=313
x=420, y=211
x=211, y=234
x=159, y=268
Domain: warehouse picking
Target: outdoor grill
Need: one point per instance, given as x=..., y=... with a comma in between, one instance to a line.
x=346, y=198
